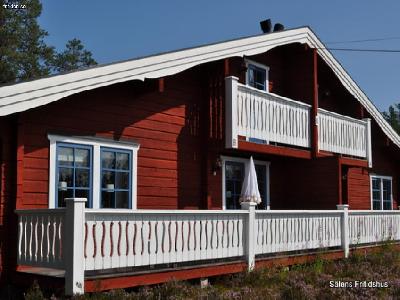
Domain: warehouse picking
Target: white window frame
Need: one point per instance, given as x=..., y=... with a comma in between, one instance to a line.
x=96, y=143
x=246, y=161
x=261, y=66
x=390, y=178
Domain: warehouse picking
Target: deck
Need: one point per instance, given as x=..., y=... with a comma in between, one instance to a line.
x=154, y=245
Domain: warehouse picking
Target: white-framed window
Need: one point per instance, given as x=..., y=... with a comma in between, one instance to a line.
x=381, y=192
x=233, y=173
x=101, y=170
x=257, y=75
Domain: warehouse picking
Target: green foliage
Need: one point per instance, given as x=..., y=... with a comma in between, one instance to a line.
x=24, y=55
x=392, y=116
x=34, y=292
x=73, y=57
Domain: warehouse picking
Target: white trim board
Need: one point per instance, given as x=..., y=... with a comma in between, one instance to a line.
x=23, y=96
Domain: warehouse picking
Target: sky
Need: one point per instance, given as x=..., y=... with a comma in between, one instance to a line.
x=125, y=29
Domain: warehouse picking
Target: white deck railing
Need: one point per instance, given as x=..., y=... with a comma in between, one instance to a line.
x=40, y=238
x=265, y=116
x=344, y=135
x=116, y=239
x=78, y=239
x=379, y=226
x=278, y=231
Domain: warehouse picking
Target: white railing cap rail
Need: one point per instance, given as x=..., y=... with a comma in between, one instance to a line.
x=277, y=97
x=347, y=118
x=374, y=212
x=163, y=212
x=297, y=212
x=52, y=211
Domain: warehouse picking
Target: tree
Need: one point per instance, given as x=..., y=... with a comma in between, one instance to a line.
x=393, y=116
x=24, y=54
x=73, y=57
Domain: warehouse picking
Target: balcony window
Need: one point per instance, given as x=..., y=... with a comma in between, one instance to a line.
x=381, y=192
x=257, y=75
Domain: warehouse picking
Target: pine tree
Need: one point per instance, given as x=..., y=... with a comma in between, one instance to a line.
x=24, y=55
x=393, y=116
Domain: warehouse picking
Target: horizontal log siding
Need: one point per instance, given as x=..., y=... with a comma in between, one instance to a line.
x=166, y=125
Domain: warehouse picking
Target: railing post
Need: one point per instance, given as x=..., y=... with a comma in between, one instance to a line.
x=231, y=127
x=250, y=234
x=73, y=241
x=345, y=234
x=368, y=141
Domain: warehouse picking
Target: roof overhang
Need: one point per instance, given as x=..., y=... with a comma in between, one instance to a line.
x=26, y=95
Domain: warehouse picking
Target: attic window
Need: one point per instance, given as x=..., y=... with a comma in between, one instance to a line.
x=257, y=75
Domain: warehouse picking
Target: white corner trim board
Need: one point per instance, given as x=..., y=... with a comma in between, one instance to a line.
x=23, y=96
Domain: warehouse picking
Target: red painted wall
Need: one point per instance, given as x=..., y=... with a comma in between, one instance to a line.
x=166, y=125
x=8, y=175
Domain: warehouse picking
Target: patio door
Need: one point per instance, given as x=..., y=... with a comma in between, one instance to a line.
x=234, y=173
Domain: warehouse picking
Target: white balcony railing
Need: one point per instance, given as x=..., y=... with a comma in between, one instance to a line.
x=344, y=135
x=256, y=114
x=265, y=116
x=77, y=239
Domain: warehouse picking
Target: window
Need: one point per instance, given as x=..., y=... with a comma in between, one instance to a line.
x=74, y=170
x=100, y=170
x=233, y=173
x=381, y=192
x=115, y=178
x=257, y=75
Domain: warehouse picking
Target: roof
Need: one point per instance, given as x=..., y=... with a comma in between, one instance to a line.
x=26, y=95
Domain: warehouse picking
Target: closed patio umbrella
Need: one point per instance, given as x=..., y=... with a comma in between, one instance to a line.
x=250, y=192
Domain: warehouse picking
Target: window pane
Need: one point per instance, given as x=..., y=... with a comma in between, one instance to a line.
x=234, y=172
x=65, y=156
x=376, y=205
x=122, y=180
x=387, y=205
x=376, y=183
x=62, y=195
x=257, y=77
x=107, y=199
x=122, y=161
x=65, y=175
x=83, y=194
x=261, y=171
x=108, y=177
x=82, y=158
x=387, y=190
x=121, y=200
x=82, y=178
x=108, y=159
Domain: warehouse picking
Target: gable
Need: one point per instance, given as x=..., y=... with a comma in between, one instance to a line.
x=23, y=96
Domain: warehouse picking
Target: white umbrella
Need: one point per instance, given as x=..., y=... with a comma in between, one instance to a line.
x=250, y=192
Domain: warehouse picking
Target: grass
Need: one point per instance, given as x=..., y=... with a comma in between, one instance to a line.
x=308, y=281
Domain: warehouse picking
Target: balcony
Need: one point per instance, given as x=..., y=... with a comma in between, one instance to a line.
x=269, y=118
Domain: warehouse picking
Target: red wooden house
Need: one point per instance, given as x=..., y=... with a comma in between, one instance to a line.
x=175, y=131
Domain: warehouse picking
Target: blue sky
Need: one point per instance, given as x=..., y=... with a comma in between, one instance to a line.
x=118, y=30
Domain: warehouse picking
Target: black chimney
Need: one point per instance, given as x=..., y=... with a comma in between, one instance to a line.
x=278, y=27
x=266, y=26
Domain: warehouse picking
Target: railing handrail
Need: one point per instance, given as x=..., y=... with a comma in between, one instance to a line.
x=343, y=117
x=162, y=212
x=60, y=210
x=276, y=96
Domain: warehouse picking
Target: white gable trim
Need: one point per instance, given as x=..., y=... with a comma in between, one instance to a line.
x=27, y=95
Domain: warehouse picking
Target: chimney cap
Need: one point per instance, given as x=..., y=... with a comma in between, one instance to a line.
x=266, y=26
